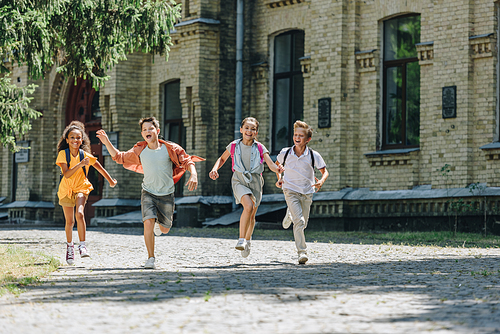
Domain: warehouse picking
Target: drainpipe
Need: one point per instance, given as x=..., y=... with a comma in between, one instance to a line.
x=240, y=26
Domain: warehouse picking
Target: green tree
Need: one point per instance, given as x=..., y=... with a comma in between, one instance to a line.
x=82, y=38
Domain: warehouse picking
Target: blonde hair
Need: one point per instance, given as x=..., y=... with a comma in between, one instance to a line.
x=305, y=126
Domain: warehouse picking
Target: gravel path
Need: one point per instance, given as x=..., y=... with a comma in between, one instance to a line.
x=203, y=285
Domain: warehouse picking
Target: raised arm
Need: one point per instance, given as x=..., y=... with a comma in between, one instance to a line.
x=218, y=164
x=103, y=137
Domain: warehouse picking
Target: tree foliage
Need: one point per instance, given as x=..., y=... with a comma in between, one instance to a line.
x=80, y=37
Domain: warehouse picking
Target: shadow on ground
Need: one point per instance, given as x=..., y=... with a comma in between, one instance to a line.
x=463, y=291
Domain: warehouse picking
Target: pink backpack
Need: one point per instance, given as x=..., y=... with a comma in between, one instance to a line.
x=233, y=146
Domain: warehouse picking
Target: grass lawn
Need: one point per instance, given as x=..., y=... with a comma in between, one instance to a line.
x=19, y=268
x=441, y=239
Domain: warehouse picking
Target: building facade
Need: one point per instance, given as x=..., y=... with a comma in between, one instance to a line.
x=403, y=97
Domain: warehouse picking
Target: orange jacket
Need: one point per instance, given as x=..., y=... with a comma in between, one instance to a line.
x=181, y=160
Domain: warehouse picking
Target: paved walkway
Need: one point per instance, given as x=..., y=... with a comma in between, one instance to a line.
x=203, y=285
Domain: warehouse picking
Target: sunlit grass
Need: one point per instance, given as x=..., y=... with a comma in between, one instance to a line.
x=438, y=238
x=20, y=268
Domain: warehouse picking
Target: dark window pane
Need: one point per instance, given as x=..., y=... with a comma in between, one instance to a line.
x=393, y=110
x=413, y=104
x=93, y=138
x=400, y=37
x=173, y=107
x=298, y=50
x=96, y=110
x=93, y=177
x=298, y=98
x=173, y=133
x=282, y=49
x=282, y=113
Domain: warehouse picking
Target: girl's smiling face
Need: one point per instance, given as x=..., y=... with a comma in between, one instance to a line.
x=74, y=139
x=150, y=132
x=249, y=130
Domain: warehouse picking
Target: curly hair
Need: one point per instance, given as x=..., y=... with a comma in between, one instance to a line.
x=75, y=125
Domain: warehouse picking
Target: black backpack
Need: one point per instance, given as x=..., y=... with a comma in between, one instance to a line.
x=68, y=160
x=288, y=151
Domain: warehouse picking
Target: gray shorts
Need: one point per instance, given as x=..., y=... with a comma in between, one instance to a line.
x=159, y=207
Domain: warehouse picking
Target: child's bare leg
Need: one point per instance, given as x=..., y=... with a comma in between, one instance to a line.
x=251, y=225
x=149, y=237
x=246, y=215
x=80, y=216
x=70, y=222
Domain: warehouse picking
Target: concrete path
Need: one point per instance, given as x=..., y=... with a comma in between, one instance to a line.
x=203, y=285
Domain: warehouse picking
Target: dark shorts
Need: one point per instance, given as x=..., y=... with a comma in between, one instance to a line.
x=159, y=207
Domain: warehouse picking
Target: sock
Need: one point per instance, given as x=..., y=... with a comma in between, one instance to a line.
x=82, y=243
x=70, y=243
x=240, y=239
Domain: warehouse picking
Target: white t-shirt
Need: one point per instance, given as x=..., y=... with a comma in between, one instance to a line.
x=299, y=173
x=158, y=171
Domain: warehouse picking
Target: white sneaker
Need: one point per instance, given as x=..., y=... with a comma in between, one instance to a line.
x=246, y=251
x=287, y=221
x=83, y=251
x=303, y=258
x=241, y=245
x=157, y=230
x=150, y=263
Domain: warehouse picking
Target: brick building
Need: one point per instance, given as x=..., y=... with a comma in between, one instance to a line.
x=403, y=97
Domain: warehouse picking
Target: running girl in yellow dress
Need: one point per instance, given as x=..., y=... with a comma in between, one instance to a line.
x=75, y=160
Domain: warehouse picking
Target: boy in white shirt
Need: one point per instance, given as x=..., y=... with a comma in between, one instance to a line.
x=299, y=183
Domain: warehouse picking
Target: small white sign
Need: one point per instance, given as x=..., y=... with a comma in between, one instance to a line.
x=24, y=154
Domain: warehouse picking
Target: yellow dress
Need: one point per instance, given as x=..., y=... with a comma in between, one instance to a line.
x=77, y=183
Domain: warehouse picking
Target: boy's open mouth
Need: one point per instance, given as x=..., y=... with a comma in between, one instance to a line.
x=148, y=137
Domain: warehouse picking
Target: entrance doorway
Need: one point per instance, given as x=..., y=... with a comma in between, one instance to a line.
x=83, y=106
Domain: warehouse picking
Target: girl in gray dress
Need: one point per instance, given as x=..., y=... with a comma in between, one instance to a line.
x=248, y=156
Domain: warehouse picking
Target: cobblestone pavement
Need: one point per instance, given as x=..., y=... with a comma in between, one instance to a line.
x=203, y=285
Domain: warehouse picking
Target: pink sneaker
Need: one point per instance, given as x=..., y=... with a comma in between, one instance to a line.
x=70, y=254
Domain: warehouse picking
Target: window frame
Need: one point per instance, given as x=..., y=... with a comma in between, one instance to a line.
x=167, y=122
x=386, y=64
x=291, y=74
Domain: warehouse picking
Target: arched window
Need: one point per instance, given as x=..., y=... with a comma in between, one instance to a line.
x=288, y=90
x=401, y=123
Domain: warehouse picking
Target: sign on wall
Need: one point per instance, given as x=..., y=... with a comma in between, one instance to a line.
x=24, y=154
x=113, y=138
x=449, y=102
x=324, y=112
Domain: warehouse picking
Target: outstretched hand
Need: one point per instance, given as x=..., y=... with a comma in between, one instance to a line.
x=113, y=183
x=103, y=137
